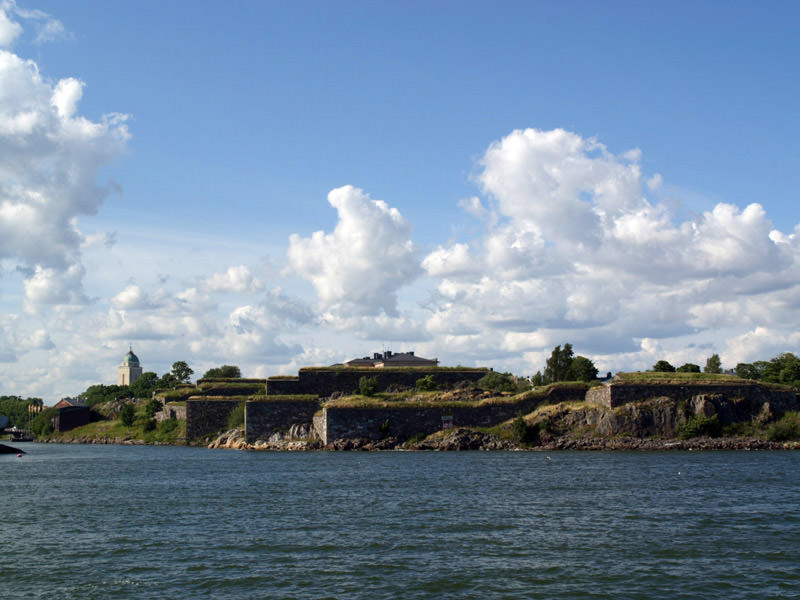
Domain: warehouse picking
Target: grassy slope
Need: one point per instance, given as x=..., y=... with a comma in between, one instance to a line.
x=167, y=432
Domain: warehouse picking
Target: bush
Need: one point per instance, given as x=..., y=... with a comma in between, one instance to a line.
x=663, y=366
x=236, y=416
x=522, y=433
x=149, y=425
x=127, y=415
x=167, y=426
x=367, y=386
x=426, y=384
x=787, y=428
x=497, y=382
x=698, y=426
x=152, y=407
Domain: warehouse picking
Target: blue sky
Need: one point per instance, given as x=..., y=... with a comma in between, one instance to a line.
x=243, y=117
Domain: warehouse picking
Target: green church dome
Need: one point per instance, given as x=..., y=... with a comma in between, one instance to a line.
x=130, y=359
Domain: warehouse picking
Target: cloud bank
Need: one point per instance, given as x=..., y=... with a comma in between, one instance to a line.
x=574, y=244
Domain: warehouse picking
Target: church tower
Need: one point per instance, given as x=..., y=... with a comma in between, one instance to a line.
x=129, y=371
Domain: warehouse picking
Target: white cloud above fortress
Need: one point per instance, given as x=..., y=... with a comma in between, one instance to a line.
x=568, y=240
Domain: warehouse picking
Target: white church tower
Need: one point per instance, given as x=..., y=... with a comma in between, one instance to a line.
x=130, y=370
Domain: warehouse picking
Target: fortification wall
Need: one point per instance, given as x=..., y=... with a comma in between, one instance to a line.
x=171, y=411
x=405, y=422
x=324, y=382
x=205, y=416
x=615, y=395
x=262, y=418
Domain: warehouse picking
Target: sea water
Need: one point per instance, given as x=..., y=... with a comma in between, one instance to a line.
x=129, y=522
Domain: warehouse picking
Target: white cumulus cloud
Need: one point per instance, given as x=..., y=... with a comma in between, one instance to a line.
x=358, y=268
x=49, y=160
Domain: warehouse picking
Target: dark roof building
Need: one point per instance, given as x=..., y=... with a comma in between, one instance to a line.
x=390, y=359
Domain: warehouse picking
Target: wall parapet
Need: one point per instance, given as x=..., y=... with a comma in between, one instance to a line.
x=342, y=422
x=617, y=394
x=205, y=416
x=323, y=382
x=265, y=416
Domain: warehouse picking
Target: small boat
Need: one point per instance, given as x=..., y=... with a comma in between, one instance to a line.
x=9, y=450
x=19, y=435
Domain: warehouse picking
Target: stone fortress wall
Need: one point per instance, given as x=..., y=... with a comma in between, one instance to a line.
x=325, y=381
x=619, y=394
x=407, y=421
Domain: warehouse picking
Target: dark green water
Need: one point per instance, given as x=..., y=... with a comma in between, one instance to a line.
x=186, y=523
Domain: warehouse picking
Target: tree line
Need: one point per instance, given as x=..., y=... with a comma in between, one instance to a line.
x=149, y=382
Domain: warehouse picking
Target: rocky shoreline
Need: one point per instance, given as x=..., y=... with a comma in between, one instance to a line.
x=455, y=440
x=466, y=439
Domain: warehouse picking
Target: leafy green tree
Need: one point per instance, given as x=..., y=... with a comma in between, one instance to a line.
x=168, y=381
x=128, y=414
x=367, y=386
x=557, y=366
x=537, y=379
x=181, y=371
x=494, y=381
x=152, y=407
x=582, y=369
x=16, y=409
x=223, y=372
x=100, y=394
x=522, y=433
x=663, y=366
x=688, y=368
x=426, y=384
x=42, y=423
x=144, y=387
x=713, y=364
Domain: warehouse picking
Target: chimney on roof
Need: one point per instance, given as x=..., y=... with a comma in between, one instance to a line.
x=376, y=356
x=388, y=354
x=411, y=353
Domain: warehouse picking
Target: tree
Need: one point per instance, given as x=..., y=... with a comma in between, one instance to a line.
x=426, y=384
x=537, y=379
x=582, y=369
x=16, y=409
x=367, y=386
x=494, y=381
x=127, y=415
x=144, y=386
x=557, y=366
x=168, y=381
x=181, y=371
x=663, y=366
x=100, y=394
x=223, y=372
x=688, y=368
x=713, y=364
x=152, y=407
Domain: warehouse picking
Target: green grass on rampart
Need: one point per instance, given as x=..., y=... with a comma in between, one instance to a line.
x=285, y=398
x=144, y=429
x=374, y=370
x=659, y=378
x=415, y=400
x=240, y=398
x=234, y=380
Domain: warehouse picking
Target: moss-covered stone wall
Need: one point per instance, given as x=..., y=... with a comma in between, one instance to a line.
x=614, y=394
x=324, y=382
x=262, y=418
x=374, y=423
x=204, y=416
